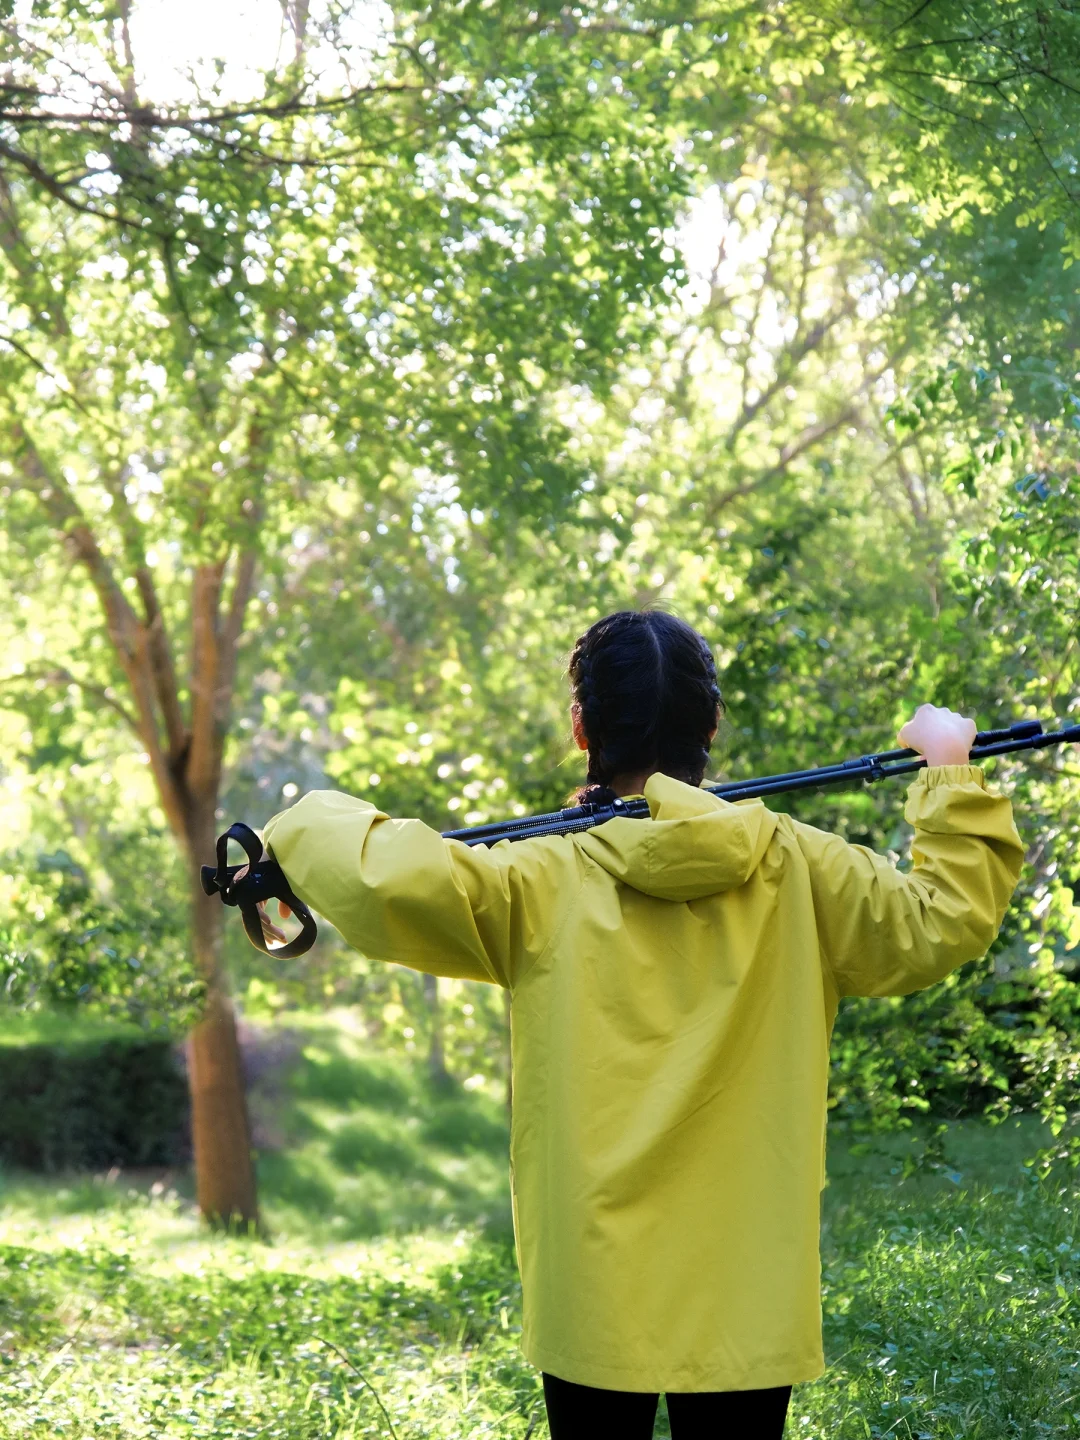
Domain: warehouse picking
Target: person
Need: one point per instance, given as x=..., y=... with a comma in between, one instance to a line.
x=674, y=983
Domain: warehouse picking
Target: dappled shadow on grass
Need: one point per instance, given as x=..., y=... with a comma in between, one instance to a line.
x=235, y=1347
x=362, y=1144
x=337, y=1070
x=969, y=1153
x=25, y=1195
x=463, y=1127
x=372, y=1147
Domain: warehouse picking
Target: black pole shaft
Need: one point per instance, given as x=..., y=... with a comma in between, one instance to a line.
x=1024, y=735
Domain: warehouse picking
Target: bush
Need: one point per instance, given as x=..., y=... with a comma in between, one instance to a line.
x=109, y=950
x=92, y=1104
x=980, y=1042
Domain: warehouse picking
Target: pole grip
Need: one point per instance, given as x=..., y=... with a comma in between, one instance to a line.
x=264, y=880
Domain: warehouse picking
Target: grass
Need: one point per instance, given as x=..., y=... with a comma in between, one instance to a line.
x=370, y=1150
x=386, y=1299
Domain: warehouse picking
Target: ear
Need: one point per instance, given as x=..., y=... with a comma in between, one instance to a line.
x=580, y=739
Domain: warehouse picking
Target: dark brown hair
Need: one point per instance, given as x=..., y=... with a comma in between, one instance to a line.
x=646, y=684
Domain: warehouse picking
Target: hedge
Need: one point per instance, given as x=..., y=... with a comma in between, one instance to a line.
x=93, y=1104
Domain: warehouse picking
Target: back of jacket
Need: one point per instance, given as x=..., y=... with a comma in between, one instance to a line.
x=674, y=984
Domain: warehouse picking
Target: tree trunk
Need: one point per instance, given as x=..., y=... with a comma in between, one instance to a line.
x=224, y=1172
x=185, y=755
x=440, y=1076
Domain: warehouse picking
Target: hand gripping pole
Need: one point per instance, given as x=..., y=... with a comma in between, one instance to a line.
x=264, y=880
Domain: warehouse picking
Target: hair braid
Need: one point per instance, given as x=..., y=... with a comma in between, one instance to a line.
x=645, y=682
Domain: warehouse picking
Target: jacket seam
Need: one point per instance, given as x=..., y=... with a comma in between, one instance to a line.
x=555, y=936
x=784, y=822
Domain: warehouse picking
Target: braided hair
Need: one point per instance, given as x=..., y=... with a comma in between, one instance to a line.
x=646, y=685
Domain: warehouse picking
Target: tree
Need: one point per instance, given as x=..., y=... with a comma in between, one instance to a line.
x=238, y=319
x=873, y=353
x=403, y=489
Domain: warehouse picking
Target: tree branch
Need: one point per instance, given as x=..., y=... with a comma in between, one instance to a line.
x=65, y=389
x=60, y=675
x=162, y=667
x=163, y=671
x=144, y=117
x=60, y=192
x=809, y=196
x=203, y=770
x=908, y=20
x=936, y=105
x=918, y=508
x=948, y=40
x=243, y=583
x=810, y=436
x=12, y=239
x=755, y=310
x=807, y=438
x=128, y=636
x=785, y=363
x=1036, y=142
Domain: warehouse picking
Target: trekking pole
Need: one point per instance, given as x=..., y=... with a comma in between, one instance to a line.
x=264, y=879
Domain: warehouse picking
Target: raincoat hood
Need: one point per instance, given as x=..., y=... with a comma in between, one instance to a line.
x=694, y=844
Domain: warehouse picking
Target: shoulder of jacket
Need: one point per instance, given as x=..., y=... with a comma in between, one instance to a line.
x=787, y=829
x=795, y=838
x=547, y=854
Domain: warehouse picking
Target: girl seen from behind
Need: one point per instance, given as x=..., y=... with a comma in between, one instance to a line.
x=674, y=983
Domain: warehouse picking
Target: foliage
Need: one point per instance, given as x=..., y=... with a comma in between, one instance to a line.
x=763, y=312
x=316, y=282
x=120, y=953
x=978, y=1043
x=365, y=1144
x=242, y=315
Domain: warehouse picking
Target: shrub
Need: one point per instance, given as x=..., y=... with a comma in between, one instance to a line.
x=92, y=1104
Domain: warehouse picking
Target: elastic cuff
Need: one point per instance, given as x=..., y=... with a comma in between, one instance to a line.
x=950, y=775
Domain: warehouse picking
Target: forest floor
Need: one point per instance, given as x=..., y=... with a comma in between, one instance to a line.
x=384, y=1300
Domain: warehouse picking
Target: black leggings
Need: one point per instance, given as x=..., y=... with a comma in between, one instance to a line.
x=578, y=1412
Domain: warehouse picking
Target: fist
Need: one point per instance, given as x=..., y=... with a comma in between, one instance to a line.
x=941, y=735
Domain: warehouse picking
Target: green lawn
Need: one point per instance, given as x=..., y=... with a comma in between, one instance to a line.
x=385, y=1300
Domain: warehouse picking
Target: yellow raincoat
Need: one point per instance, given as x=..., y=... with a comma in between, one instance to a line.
x=674, y=983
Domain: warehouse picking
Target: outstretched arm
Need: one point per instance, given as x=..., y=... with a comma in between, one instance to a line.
x=398, y=891
x=883, y=932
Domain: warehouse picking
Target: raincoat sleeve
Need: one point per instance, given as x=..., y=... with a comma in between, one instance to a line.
x=396, y=890
x=884, y=932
